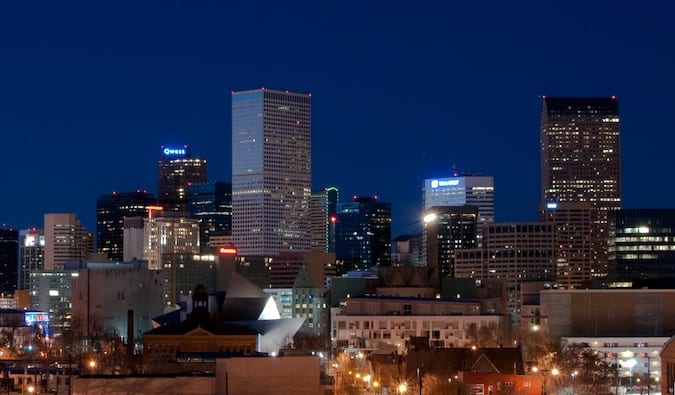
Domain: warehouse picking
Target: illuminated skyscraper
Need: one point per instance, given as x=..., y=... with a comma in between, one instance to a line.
x=581, y=163
x=177, y=171
x=476, y=191
x=111, y=210
x=271, y=172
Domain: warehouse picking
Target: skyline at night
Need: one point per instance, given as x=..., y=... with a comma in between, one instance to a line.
x=400, y=94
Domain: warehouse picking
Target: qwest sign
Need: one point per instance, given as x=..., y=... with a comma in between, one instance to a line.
x=444, y=183
x=174, y=151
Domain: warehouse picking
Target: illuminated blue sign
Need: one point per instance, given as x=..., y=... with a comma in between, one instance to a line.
x=444, y=183
x=175, y=151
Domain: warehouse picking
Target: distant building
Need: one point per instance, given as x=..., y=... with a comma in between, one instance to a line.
x=50, y=291
x=408, y=249
x=516, y=253
x=31, y=254
x=283, y=269
x=107, y=297
x=271, y=172
x=177, y=171
x=476, y=191
x=371, y=322
x=133, y=238
x=310, y=302
x=323, y=207
x=168, y=233
x=446, y=230
x=641, y=244
x=9, y=248
x=608, y=312
x=363, y=233
x=111, y=211
x=581, y=163
x=211, y=204
x=65, y=240
x=577, y=249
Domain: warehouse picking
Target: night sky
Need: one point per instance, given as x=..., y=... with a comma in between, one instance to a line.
x=401, y=91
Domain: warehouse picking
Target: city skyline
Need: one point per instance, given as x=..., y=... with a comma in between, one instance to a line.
x=401, y=94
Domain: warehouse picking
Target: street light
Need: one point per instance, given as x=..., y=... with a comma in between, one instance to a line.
x=574, y=375
x=402, y=388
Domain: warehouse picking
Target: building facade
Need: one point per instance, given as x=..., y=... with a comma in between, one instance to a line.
x=581, y=163
x=370, y=322
x=363, y=233
x=177, y=171
x=211, y=204
x=641, y=244
x=9, y=249
x=31, y=254
x=168, y=233
x=476, y=191
x=323, y=205
x=271, y=171
x=515, y=253
x=447, y=229
x=65, y=240
x=111, y=210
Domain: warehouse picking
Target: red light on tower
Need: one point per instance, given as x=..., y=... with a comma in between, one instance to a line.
x=227, y=251
x=333, y=219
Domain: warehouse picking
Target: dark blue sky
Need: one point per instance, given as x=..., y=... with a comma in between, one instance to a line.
x=401, y=91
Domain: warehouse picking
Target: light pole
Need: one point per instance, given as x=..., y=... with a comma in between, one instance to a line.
x=574, y=375
x=402, y=388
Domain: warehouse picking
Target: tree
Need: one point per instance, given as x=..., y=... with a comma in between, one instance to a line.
x=585, y=368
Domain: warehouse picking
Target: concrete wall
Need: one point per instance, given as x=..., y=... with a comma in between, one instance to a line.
x=268, y=376
x=144, y=385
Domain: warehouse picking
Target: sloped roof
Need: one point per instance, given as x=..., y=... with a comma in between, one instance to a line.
x=187, y=328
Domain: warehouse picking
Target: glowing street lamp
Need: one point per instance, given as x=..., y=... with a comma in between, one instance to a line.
x=402, y=388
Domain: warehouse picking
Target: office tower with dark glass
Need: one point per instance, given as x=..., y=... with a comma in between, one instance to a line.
x=581, y=163
x=363, y=234
x=31, y=254
x=177, y=171
x=111, y=210
x=271, y=172
x=211, y=204
x=9, y=249
x=322, y=207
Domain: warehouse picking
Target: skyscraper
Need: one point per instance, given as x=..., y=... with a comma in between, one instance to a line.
x=363, y=233
x=31, y=254
x=446, y=229
x=65, y=240
x=476, y=191
x=271, y=172
x=211, y=204
x=9, y=248
x=177, y=171
x=323, y=206
x=580, y=163
x=111, y=210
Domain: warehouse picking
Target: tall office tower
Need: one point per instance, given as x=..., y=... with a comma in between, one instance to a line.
x=323, y=205
x=177, y=171
x=580, y=162
x=447, y=229
x=211, y=204
x=476, y=191
x=31, y=254
x=641, y=244
x=363, y=233
x=514, y=253
x=111, y=210
x=271, y=172
x=168, y=233
x=65, y=240
x=9, y=248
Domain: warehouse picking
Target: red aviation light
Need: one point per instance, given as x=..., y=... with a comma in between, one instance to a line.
x=333, y=219
x=227, y=251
